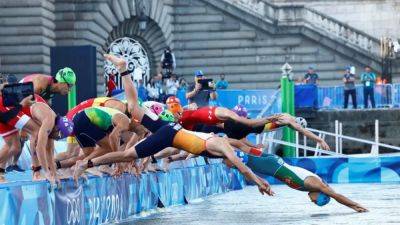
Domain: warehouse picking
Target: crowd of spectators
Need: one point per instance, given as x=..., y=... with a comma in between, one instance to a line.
x=367, y=79
x=167, y=83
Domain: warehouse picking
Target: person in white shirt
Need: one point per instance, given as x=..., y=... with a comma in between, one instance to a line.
x=152, y=90
x=172, y=85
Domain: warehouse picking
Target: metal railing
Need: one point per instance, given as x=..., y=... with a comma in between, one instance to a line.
x=338, y=148
x=386, y=96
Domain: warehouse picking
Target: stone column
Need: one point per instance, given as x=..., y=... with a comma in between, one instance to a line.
x=27, y=33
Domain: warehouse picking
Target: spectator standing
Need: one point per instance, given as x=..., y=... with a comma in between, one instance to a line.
x=111, y=86
x=160, y=86
x=152, y=90
x=142, y=92
x=182, y=84
x=199, y=95
x=311, y=77
x=368, y=78
x=222, y=83
x=349, y=88
x=171, y=86
x=168, y=63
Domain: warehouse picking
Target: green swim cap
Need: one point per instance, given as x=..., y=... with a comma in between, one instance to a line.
x=167, y=116
x=66, y=75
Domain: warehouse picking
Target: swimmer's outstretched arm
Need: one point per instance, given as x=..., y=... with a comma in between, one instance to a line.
x=269, y=191
x=316, y=184
x=263, y=187
x=289, y=120
x=67, y=163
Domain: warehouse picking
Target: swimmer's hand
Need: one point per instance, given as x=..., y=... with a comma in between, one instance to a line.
x=264, y=187
x=80, y=167
x=190, y=156
x=359, y=208
x=324, y=145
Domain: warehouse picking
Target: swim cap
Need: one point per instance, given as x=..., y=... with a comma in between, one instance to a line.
x=155, y=107
x=175, y=108
x=174, y=104
x=166, y=115
x=240, y=110
x=172, y=99
x=301, y=121
x=322, y=199
x=65, y=126
x=66, y=75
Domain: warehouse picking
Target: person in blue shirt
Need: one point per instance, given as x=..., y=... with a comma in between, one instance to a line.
x=222, y=83
x=368, y=79
x=142, y=92
x=311, y=77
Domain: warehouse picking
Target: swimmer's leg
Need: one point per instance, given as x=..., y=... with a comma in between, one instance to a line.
x=224, y=114
x=239, y=144
x=166, y=153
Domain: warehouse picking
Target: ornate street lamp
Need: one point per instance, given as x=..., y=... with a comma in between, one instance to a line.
x=142, y=20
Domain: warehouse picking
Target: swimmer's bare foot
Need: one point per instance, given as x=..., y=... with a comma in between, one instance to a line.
x=53, y=180
x=119, y=63
x=64, y=173
x=190, y=156
x=137, y=168
x=151, y=168
x=120, y=168
x=165, y=164
x=95, y=171
x=157, y=167
x=80, y=167
x=37, y=176
x=106, y=169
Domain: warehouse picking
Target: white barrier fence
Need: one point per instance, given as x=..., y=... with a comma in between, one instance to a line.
x=338, y=136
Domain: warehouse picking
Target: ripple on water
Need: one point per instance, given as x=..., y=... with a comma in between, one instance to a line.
x=287, y=207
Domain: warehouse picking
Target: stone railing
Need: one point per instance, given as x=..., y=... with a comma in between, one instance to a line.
x=342, y=31
x=299, y=15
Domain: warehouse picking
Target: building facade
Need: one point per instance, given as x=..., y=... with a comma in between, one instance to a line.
x=247, y=40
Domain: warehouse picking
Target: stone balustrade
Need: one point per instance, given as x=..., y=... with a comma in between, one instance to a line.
x=299, y=15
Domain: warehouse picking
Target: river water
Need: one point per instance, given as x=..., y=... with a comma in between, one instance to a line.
x=286, y=207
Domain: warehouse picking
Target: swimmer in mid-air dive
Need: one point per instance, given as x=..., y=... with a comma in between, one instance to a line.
x=300, y=179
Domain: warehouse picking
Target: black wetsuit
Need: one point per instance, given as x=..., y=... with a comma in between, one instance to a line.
x=232, y=129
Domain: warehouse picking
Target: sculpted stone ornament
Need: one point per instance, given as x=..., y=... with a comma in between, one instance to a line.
x=132, y=51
